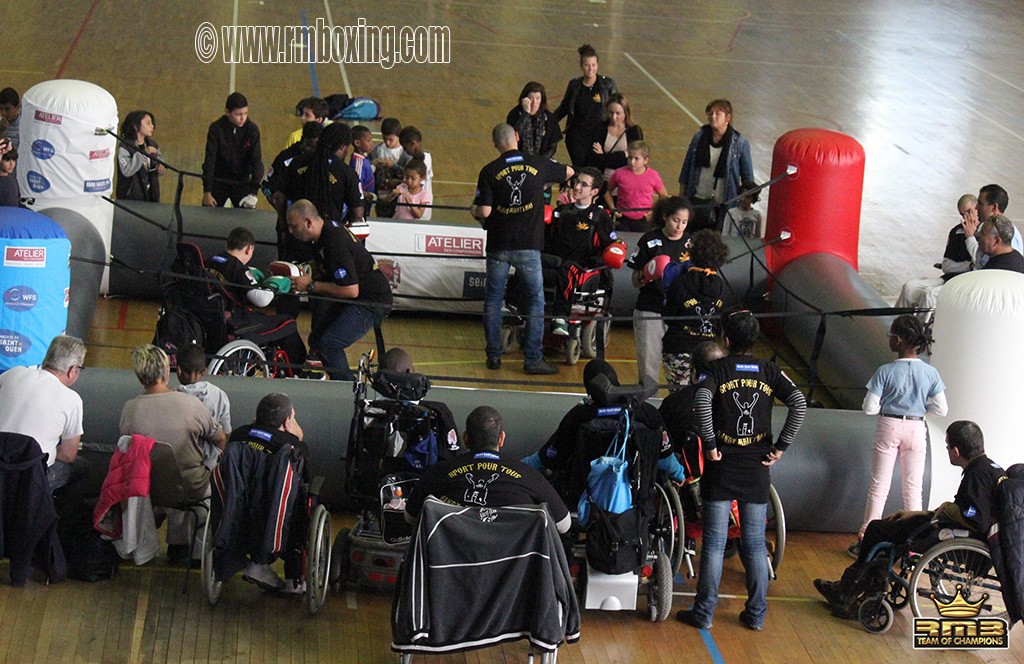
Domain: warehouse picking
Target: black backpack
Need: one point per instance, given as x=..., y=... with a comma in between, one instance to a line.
x=176, y=327
x=90, y=557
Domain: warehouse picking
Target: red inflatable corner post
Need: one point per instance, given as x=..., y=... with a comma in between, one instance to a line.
x=820, y=204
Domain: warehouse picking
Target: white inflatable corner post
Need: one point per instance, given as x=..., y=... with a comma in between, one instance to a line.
x=979, y=352
x=66, y=158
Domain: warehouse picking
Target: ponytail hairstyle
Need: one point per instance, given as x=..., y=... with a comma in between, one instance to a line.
x=910, y=330
x=318, y=177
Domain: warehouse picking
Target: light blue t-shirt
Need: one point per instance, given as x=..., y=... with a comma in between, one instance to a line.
x=905, y=386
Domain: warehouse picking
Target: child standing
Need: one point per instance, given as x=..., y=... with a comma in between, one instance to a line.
x=901, y=392
x=390, y=150
x=636, y=185
x=412, y=147
x=696, y=294
x=10, y=193
x=578, y=233
x=744, y=220
x=667, y=239
x=362, y=143
x=413, y=193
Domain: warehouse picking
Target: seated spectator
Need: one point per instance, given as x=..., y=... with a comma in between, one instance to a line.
x=40, y=403
x=231, y=267
x=578, y=234
x=310, y=109
x=971, y=508
x=275, y=427
x=412, y=148
x=10, y=192
x=398, y=360
x=413, y=193
x=138, y=172
x=924, y=293
x=992, y=200
x=191, y=371
x=179, y=420
x=994, y=240
x=558, y=452
x=10, y=116
x=483, y=477
x=535, y=125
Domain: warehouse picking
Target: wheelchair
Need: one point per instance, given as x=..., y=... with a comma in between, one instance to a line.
x=952, y=563
x=775, y=524
x=589, y=303
x=192, y=294
x=656, y=552
x=309, y=544
x=390, y=443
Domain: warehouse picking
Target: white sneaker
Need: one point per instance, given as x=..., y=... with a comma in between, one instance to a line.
x=264, y=577
x=293, y=587
x=560, y=327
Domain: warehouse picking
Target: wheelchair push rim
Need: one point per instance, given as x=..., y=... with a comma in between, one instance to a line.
x=211, y=586
x=239, y=358
x=318, y=559
x=959, y=566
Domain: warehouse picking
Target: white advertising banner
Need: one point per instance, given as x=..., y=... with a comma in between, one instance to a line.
x=431, y=267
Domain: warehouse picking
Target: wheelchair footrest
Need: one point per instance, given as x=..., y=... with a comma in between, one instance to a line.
x=611, y=592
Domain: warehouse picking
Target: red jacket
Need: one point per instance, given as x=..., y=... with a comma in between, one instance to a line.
x=127, y=477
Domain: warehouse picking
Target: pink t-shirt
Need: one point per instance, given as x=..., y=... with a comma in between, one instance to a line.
x=422, y=198
x=635, y=191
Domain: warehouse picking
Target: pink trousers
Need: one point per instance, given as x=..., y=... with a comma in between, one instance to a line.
x=906, y=439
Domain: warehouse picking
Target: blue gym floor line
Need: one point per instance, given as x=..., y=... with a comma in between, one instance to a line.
x=712, y=647
x=312, y=64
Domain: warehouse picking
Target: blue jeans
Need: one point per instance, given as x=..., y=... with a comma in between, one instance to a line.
x=752, y=552
x=338, y=327
x=527, y=264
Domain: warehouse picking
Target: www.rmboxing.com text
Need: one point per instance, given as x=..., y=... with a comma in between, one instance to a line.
x=386, y=45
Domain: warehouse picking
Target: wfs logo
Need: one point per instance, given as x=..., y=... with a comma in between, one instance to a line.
x=13, y=344
x=43, y=149
x=958, y=625
x=20, y=298
x=37, y=182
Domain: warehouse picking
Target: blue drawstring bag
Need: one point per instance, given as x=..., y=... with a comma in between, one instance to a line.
x=608, y=483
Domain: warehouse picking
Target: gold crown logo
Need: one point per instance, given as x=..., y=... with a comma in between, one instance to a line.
x=958, y=607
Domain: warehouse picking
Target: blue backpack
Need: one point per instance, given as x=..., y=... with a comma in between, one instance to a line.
x=360, y=108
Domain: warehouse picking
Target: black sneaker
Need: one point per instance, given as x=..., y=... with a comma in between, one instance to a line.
x=494, y=363
x=540, y=368
x=178, y=554
x=749, y=623
x=688, y=618
x=826, y=588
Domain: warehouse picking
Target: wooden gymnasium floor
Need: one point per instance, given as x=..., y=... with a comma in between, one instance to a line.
x=931, y=88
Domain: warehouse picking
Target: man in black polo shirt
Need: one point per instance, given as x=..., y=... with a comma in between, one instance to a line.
x=485, y=478
x=509, y=204
x=971, y=509
x=345, y=270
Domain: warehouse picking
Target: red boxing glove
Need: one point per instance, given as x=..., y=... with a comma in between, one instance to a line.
x=548, y=214
x=654, y=269
x=614, y=255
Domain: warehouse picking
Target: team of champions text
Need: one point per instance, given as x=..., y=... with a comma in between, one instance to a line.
x=386, y=45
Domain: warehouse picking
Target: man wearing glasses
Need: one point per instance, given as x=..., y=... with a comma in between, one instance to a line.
x=40, y=403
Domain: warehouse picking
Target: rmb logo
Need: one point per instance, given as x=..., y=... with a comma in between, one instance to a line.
x=958, y=626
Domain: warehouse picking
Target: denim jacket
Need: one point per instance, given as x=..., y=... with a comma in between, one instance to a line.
x=739, y=167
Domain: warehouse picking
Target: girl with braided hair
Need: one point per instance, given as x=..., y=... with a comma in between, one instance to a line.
x=901, y=393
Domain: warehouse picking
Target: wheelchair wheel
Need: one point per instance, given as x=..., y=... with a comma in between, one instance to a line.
x=211, y=585
x=659, y=589
x=588, y=338
x=775, y=530
x=667, y=524
x=572, y=350
x=955, y=566
x=318, y=559
x=875, y=614
x=339, y=561
x=239, y=358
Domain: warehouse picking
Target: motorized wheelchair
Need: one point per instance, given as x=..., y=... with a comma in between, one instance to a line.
x=392, y=439
x=931, y=568
x=304, y=539
x=648, y=550
x=589, y=302
x=196, y=306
